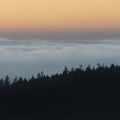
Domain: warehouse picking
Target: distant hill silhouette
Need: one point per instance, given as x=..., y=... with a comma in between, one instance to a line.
x=74, y=94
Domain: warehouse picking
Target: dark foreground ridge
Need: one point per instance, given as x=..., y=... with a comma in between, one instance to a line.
x=76, y=94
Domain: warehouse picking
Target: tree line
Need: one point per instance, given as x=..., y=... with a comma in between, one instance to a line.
x=73, y=93
x=101, y=73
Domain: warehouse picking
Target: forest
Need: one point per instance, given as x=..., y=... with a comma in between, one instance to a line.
x=76, y=93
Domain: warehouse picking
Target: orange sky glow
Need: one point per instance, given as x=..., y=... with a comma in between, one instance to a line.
x=59, y=15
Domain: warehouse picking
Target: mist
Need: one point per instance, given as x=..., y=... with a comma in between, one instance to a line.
x=26, y=58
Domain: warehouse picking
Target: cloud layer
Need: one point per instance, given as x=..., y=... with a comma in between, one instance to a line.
x=24, y=58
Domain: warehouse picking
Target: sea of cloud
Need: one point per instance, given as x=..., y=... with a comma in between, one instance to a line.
x=28, y=57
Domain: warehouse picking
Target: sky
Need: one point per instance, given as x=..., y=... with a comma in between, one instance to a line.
x=30, y=31
x=59, y=19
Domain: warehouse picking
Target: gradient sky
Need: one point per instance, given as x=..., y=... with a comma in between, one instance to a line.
x=51, y=16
